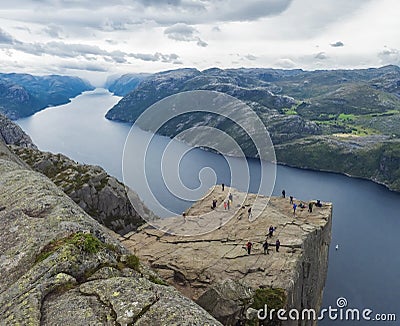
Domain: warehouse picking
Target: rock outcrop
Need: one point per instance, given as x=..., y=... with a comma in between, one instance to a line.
x=101, y=196
x=216, y=270
x=59, y=266
x=12, y=134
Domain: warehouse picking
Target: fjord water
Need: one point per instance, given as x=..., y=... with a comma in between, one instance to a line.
x=366, y=216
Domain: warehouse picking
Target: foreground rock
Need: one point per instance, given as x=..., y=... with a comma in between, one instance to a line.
x=101, y=196
x=216, y=270
x=61, y=267
x=12, y=134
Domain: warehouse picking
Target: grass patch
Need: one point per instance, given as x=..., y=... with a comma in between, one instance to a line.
x=132, y=262
x=83, y=241
x=273, y=298
x=157, y=280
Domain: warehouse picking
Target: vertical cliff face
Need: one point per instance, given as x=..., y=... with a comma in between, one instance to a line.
x=59, y=266
x=215, y=270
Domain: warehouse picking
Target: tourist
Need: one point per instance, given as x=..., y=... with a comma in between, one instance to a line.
x=318, y=204
x=230, y=197
x=277, y=245
x=225, y=205
x=291, y=199
x=223, y=186
x=249, y=212
x=265, y=246
x=283, y=193
x=229, y=204
x=271, y=231
x=214, y=204
x=248, y=246
x=310, y=206
x=294, y=209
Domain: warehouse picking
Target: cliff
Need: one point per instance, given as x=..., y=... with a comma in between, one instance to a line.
x=215, y=270
x=12, y=134
x=61, y=267
x=102, y=196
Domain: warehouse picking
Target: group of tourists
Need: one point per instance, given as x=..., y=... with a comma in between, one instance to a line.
x=227, y=203
x=266, y=244
x=301, y=204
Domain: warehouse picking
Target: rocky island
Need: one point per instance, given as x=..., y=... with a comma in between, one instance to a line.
x=215, y=270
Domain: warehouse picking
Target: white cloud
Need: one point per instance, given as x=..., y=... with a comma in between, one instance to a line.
x=184, y=32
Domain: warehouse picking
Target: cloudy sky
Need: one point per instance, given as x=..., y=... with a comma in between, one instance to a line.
x=94, y=39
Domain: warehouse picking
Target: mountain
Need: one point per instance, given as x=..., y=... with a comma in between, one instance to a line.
x=22, y=95
x=298, y=108
x=124, y=84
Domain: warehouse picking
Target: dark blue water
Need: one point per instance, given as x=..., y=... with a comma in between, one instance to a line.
x=366, y=221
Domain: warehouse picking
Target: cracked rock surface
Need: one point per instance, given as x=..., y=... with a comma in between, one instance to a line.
x=59, y=266
x=210, y=267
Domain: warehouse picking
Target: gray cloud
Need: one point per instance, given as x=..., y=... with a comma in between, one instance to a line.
x=119, y=14
x=85, y=51
x=185, y=33
x=172, y=58
x=285, y=63
x=98, y=67
x=233, y=10
x=389, y=56
x=250, y=57
x=337, y=44
x=53, y=31
x=6, y=38
x=321, y=56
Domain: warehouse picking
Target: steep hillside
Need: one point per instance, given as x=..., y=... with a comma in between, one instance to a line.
x=294, y=105
x=22, y=95
x=124, y=84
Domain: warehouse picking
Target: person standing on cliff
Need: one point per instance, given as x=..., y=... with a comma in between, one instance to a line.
x=230, y=197
x=223, y=186
x=248, y=246
x=225, y=205
x=310, y=206
x=277, y=245
x=271, y=231
x=291, y=199
x=249, y=212
x=265, y=246
x=294, y=209
x=228, y=203
x=283, y=193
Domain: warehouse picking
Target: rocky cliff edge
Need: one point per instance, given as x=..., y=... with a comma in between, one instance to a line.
x=58, y=266
x=215, y=270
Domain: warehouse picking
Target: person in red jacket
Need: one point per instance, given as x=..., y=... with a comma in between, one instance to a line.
x=248, y=246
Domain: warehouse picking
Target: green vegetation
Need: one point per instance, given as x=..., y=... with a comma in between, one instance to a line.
x=132, y=262
x=379, y=161
x=274, y=298
x=290, y=111
x=157, y=280
x=83, y=241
